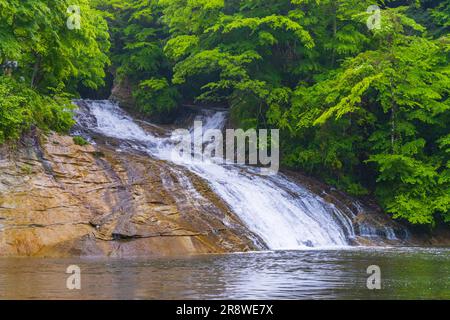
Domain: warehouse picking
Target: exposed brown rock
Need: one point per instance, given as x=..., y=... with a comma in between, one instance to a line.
x=122, y=92
x=60, y=199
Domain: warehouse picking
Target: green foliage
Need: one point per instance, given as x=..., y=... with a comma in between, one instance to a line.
x=50, y=55
x=26, y=169
x=52, y=61
x=441, y=16
x=224, y=47
x=382, y=115
x=156, y=96
x=138, y=54
x=80, y=141
x=22, y=107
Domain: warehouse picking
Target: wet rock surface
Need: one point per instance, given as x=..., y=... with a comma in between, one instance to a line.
x=373, y=226
x=61, y=199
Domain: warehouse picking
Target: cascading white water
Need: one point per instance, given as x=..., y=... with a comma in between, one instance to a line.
x=282, y=213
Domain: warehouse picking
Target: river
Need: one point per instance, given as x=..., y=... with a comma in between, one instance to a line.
x=406, y=273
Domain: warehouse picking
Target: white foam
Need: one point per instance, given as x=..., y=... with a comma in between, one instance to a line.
x=282, y=213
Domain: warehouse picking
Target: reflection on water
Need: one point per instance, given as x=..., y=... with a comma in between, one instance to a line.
x=407, y=273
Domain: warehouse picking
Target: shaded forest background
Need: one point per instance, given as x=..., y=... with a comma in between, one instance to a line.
x=362, y=98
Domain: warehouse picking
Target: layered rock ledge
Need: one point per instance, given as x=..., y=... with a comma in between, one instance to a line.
x=59, y=199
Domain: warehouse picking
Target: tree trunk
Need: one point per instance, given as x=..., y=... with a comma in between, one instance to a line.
x=393, y=118
x=393, y=129
x=333, y=54
x=37, y=66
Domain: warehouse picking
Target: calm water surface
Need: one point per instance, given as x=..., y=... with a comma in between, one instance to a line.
x=407, y=273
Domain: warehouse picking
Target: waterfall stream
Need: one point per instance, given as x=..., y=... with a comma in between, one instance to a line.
x=281, y=212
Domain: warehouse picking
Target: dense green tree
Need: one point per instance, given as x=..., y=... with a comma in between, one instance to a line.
x=138, y=57
x=441, y=16
x=56, y=47
x=389, y=108
x=51, y=53
x=22, y=107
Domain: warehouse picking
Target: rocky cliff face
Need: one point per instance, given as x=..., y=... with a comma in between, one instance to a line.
x=58, y=199
x=61, y=199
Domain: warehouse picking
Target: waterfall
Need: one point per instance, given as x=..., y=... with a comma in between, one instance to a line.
x=371, y=232
x=282, y=213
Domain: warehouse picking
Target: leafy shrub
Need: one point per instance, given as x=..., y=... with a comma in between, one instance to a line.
x=22, y=107
x=156, y=97
x=80, y=141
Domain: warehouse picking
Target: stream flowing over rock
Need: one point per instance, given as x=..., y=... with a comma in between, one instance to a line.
x=122, y=195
